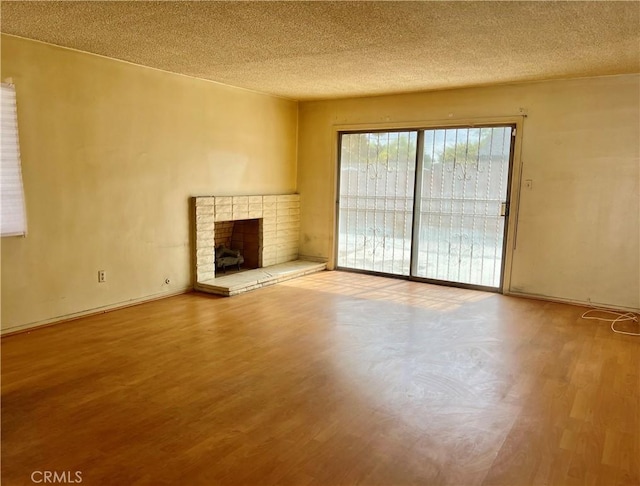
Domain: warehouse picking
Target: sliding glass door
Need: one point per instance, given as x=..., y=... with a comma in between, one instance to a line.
x=463, y=194
x=428, y=204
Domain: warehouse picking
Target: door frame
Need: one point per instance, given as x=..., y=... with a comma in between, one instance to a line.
x=513, y=186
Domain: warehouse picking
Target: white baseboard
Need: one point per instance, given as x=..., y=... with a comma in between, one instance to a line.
x=613, y=307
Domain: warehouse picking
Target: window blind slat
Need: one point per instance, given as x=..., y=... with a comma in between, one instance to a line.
x=13, y=221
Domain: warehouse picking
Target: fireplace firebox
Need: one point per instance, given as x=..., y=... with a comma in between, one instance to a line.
x=240, y=239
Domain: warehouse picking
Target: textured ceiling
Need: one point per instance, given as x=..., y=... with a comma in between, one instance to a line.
x=316, y=50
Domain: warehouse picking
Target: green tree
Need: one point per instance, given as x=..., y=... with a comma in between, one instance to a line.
x=467, y=149
x=386, y=150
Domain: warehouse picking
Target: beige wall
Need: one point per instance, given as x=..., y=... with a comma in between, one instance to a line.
x=111, y=153
x=578, y=230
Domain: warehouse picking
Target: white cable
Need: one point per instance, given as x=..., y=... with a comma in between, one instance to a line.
x=620, y=317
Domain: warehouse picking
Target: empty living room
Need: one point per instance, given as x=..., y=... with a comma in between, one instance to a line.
x=320, y=243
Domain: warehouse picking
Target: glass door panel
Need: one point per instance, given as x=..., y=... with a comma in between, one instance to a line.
x=462, y=185
x=376, y=194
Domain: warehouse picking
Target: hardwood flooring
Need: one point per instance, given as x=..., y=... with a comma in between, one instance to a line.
x=330, y=379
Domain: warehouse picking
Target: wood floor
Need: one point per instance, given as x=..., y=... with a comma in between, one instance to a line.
x=331, y=379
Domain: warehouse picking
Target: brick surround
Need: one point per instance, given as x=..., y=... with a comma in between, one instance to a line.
x=280, y=227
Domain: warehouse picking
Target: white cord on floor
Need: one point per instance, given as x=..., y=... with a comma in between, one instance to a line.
x=620, y=317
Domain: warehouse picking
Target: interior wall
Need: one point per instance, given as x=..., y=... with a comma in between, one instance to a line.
x=577, y=227
x=111, y=154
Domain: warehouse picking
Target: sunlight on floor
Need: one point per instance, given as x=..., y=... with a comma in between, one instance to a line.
x=415, y=294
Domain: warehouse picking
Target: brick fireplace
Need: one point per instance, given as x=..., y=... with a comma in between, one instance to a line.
x=273, y=219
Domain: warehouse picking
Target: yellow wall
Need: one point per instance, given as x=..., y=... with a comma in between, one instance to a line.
x=578, y=228
x=111, y=153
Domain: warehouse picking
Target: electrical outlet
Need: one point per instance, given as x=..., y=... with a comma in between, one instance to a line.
x=167, y=281
x=528, y=184
x=102, y=276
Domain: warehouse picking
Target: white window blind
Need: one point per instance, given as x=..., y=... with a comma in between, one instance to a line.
x=13, y=220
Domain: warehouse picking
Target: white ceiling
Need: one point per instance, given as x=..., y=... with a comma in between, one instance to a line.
x=317, y=50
